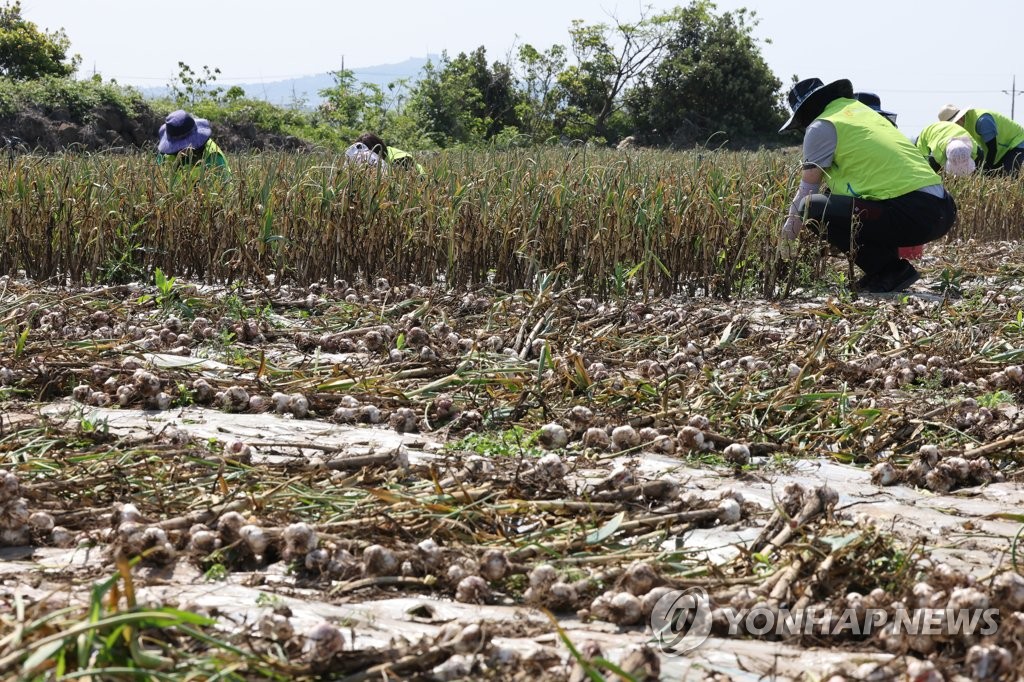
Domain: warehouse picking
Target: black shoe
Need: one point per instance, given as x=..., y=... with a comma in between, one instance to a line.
x=897, y=277
x=864, y=283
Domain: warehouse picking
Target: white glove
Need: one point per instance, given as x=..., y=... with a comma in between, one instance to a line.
x=793, y=224
x=788, y=248
x=958, y=157
x=791, y=228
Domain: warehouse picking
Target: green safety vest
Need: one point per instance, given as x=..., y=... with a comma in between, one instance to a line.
x=403, y=158
x=1009, y=134
x=933, y=140
x=213, y=161
x=873, y=159
x=213, y=157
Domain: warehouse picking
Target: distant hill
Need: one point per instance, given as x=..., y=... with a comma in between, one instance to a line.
x=307, y=88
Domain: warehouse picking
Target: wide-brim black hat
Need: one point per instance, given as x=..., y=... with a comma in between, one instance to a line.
x=810, y=96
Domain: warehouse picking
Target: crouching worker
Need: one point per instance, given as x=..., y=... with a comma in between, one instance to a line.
x=369, y=148
x=880, y=186
x=949, y=148
x=186, y=145
x=874, y=102
x=1002, y=137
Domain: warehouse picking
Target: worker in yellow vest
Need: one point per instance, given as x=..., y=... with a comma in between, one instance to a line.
x=1001, y=137
x=948, y=147
x=915, y=252
x=392, y=156
x=877, y=180
x=185, y=143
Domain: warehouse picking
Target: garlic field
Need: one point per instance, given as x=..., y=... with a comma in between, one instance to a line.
x=488, y=423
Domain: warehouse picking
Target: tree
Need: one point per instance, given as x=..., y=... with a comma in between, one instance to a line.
x=539, y=71
x=27, y=53
x=712, y=80
x=462, y=100
x=192, y=87
x=591, y=88
x=352, y=107
x=347, y=101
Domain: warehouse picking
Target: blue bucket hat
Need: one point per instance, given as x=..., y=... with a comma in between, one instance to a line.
x=809, y=97
x=181, y=131
x=874, y=102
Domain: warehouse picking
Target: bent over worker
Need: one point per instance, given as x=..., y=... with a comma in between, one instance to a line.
x=370, y=148
x=949, y=147
x=1001, y=137
x=185, y=142
x=882, y=192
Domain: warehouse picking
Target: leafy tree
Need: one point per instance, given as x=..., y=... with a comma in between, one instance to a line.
x=609, y=59
x=463, y=101
x=712, y=80
x=353, y=107
x=27, y=53
x=346, y=102
x=538, y=83
x=192, y=87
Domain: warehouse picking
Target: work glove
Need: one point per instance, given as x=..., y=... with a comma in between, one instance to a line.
x=793, y=223
x=788, y=245
x=791, y=228
x=788, y=249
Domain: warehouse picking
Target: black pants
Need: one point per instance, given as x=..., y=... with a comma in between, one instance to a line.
x=884, y=226
x=1013, y=160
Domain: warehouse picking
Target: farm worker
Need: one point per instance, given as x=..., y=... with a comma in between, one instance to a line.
x=1001, y=137
x=369, y=148
x=949, y=147
x=875, y=102
x=185, y=141
x=881, y=188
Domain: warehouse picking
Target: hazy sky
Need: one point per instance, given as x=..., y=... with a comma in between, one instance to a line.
x=917, y=55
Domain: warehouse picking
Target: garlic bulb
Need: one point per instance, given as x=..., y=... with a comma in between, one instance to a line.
x=691, y=437
x=625, y=437
x=553, y=436
x=736, y=453
x=639, y=578
x=472, y=590
x=620, y=608
x=299, y=540
x=298, y=405
x=378, y=560
x=324, y=642
x=596, y=438
x=254, y=538
x=493, y=565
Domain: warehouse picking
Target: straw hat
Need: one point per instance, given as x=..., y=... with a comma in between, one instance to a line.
x=950, y=112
